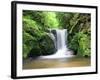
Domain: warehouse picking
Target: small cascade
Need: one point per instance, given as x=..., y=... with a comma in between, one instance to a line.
x=60, y=44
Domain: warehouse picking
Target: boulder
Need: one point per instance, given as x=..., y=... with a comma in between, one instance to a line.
x=47, y=45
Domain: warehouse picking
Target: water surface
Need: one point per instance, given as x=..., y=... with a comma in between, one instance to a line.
x=56, y=63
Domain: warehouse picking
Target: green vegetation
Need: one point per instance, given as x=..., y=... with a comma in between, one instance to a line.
x=36, y=40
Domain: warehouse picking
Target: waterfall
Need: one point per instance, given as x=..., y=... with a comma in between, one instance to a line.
x=60, y=44
x=61, y=39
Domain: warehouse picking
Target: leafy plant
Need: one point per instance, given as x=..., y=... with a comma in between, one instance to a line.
x=80, y=44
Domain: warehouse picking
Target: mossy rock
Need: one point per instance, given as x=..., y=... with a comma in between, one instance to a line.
x=47, y=45
x=44, y=46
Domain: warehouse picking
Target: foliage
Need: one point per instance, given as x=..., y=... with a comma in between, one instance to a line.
x=84, y=45
x=36, y=42
x=80, y=44
x=79, y=34
x=50, y=19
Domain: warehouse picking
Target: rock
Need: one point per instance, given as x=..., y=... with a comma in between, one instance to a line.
x=34, y=52
x=47, y=45
x=54, y=32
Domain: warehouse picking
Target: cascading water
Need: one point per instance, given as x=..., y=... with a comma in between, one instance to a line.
x=60, y=44
x=61, y=39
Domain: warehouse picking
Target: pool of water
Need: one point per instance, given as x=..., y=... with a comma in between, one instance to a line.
x=56, y=63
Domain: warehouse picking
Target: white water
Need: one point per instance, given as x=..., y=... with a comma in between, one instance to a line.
x=61, y=39
x=60, y=44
